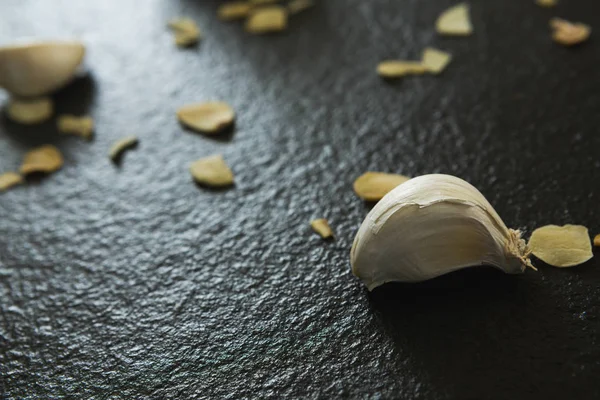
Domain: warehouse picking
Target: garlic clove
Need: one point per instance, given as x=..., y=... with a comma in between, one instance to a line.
x=432, y=225
x=38, y=68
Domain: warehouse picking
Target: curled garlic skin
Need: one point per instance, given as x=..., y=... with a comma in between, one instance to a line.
x=432, y=225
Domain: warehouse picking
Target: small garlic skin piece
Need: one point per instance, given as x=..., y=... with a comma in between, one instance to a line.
x=432, y=225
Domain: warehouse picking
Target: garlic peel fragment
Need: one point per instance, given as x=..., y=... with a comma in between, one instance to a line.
x=561, y=246
x=267, y=19
x=569, y=33
x=432, y=225
x=68, y=124
x=212, y=171
x=210, y=117
x=234, y=10
x=455, y=21
x=321, y=227
x=43, y=159
x=435, y=60
x=38, y=68
x=9, y=179
x=400, y=68
x=372, y=186
x=297, y=6
x=30, y=111
x=121, y=145
x=546, y=3
x=186, y=31
x=262, y=2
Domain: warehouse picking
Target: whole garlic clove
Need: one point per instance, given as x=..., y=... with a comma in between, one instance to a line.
x=432, y=225
x=38, y=68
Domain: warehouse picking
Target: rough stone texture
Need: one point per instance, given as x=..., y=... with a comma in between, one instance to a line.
x=132, y=282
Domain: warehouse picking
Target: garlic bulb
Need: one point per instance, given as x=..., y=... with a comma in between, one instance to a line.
x=432, y=225
x=38, y=68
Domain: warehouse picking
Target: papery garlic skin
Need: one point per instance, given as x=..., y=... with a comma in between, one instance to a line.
x=432, y=225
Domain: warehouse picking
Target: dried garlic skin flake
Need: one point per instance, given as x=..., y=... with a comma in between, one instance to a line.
x=212, y=171
x=297, y=6
x=30, y=111
x=77, y=126
x=569, y=33
x=561, y=246
x=234, y=10
x=186, y=31
x=210, y=117
x=597, y=241
x=398, y=68
x=118, y=147
x=267, y=20
x=9, y=179
x=455, y=21
x=44, y=159
x=372, y=186
x=262, y=2
x=546, y=3
x=435, y=60
x=321, y=226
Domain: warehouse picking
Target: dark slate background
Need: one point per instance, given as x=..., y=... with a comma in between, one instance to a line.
x=132, y=282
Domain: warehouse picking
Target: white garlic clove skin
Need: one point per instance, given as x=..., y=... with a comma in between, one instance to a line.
x=429, y=226
x=38, y=68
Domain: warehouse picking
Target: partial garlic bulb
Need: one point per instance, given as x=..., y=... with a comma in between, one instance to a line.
x=38, y=68
x=432, y=225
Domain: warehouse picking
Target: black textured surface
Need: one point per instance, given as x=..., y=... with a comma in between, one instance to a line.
x=132, y=282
